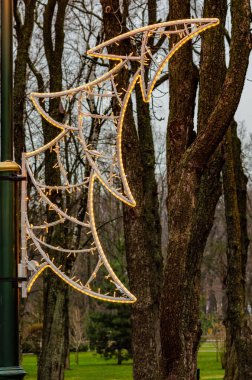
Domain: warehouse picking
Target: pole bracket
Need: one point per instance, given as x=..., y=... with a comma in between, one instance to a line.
x=13, y=279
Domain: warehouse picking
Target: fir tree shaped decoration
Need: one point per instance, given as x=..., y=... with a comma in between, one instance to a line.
x=150, y=47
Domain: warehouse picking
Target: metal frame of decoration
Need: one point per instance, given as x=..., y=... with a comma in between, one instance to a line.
x=185, y=30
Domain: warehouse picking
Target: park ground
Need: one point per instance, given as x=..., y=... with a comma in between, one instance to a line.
x=93, y=367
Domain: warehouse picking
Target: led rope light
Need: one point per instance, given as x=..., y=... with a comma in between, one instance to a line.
x=185, y=30
x=166, y=28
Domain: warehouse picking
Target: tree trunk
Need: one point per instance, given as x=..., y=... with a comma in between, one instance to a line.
x=76, y=357
x=52, y=358
x=144, y=260
x=193, y=189
x=178, y=340
x=141, y=223
x=24, y=33
x=55, y=337
x=238, y=360
x=119, y=357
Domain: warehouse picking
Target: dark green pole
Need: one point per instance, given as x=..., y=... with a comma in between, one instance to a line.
x=9, y=329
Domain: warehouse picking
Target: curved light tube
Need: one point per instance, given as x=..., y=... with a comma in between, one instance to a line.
x=181, y=28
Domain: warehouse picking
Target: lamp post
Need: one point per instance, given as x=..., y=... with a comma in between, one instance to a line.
x=9, y=330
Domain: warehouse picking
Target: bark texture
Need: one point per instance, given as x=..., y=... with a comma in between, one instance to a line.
x=213, y=73
x=178, y=347
x=141, y=224
x=24, y=33
x=193, y=189
x=56, y=320
x=238, y=364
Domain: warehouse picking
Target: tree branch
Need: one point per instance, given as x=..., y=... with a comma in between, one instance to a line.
x=210, y=136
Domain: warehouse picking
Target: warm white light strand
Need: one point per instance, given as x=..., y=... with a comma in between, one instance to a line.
x=185, y=30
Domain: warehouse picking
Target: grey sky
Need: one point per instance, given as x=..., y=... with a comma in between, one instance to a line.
x=244, y=112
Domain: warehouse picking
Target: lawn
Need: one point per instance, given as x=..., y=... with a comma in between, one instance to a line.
x=93, y=367
x=210, y=368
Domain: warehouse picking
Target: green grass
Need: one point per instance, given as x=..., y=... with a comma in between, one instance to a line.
x=93, y=367
x=210, y=368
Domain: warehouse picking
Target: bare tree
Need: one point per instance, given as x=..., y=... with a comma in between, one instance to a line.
x=238, y=363
x=23, y=34
x=194, y=163
x=141, y=224
x=188, y=160
x=77, y=335
x=55, y=337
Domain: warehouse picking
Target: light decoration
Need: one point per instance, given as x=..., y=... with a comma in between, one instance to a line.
x=104, y=88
